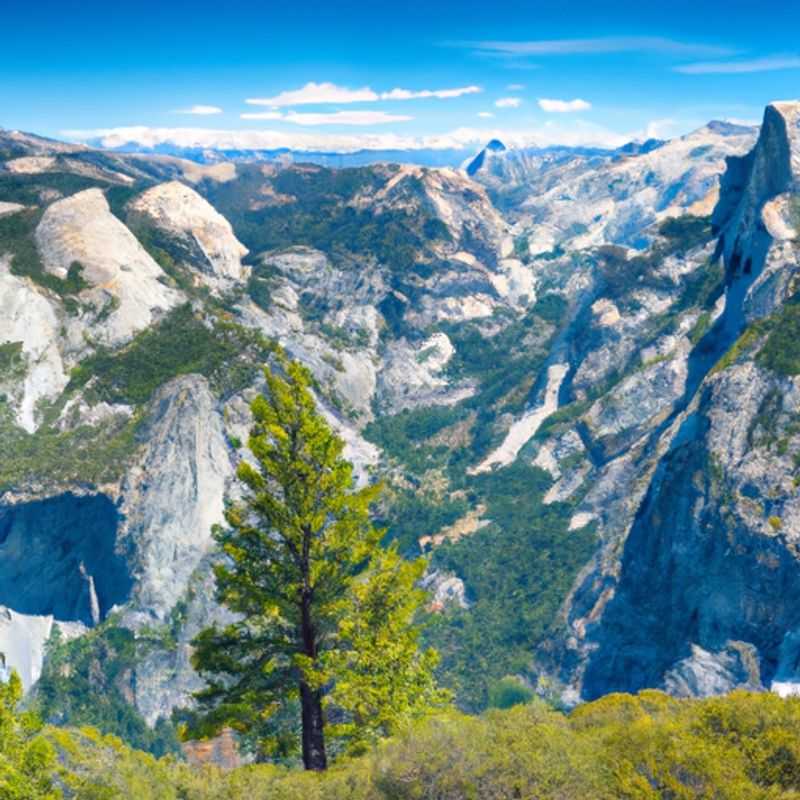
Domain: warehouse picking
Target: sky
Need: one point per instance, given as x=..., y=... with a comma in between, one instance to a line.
x=346, y=75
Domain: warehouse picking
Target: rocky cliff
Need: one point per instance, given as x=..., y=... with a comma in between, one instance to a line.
x=694, y=589
x=578, y=383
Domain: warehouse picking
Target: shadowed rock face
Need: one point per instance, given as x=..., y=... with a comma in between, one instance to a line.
x=694, y=573
x=57, y=557
x=695, y=590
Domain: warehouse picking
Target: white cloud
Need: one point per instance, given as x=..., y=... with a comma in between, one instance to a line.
x=515, y=87
x=315, y=93
x=563, y=106
x=485, y=114
x=508, y=102
x=325, y=93
x=577, y=133
x=609, y=44
x=199, y=110
x=332, y=118
x=767, y=64
x=441, y=94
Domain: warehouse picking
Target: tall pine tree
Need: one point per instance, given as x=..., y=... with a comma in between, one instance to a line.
x=324, y=613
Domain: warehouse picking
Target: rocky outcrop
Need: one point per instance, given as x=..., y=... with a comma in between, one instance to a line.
x=577, y=200
x=125, y=290
x=757, y=216
x=693, y=588
x=31, y=323
x=712, y=555
x=173, y=495
x=180, y=212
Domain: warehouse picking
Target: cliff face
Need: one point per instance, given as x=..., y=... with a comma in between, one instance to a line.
x=566, y=328
x=695, y=592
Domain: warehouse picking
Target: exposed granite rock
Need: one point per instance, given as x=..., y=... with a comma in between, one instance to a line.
x=29, y=319
x=703, y=674
x=125, y=289
x=173, y=494
x=178, y=211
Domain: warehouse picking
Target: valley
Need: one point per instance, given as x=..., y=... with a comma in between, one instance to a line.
x=575, y=371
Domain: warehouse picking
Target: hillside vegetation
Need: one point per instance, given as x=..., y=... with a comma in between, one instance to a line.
x=740, y=747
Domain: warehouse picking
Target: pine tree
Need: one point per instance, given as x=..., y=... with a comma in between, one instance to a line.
x=28, y=761
x=324, y=613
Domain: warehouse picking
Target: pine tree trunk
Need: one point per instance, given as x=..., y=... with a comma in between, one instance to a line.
x=313, y=735
x=311, y=699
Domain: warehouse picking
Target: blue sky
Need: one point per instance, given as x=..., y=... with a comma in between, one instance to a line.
x=324, y=73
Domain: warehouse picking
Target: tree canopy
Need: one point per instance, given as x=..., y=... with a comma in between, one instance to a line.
x=323, y=612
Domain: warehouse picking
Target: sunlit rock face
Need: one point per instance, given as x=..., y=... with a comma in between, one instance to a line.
x=180, y=212
x=123, y=280
x=173, y=495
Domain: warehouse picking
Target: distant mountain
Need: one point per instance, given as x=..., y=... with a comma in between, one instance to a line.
x=430, y=157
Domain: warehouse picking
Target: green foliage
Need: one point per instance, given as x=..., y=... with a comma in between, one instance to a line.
x=324, y=613
x=382, y=680
x=84, y=681
x=551, y=308
x=645, y=747
x=751, y=334
x=12, y=359
x=415, y=513
x=17, y=238
x=27, y=189
x=781, y=350
x=182, y=343
x=686, y=232
x=119, y=196
x=86, y=455
x=509, y=692
x=260, y=284
x=27, y=760
x=518, y=570
x=315, y=212
x=402, y=436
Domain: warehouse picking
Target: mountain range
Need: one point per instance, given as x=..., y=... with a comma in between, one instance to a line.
x=575, y=370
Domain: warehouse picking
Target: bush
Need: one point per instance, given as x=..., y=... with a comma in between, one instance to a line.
x=644, y=747
x=509, y=692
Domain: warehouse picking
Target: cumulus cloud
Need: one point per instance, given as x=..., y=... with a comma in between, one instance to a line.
x=766, y=64
x=485, y=114
x=326, y=93
x=563, y=106
x=332, y=118
x=508, y=102
x=608, y=44
x=199, y=110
